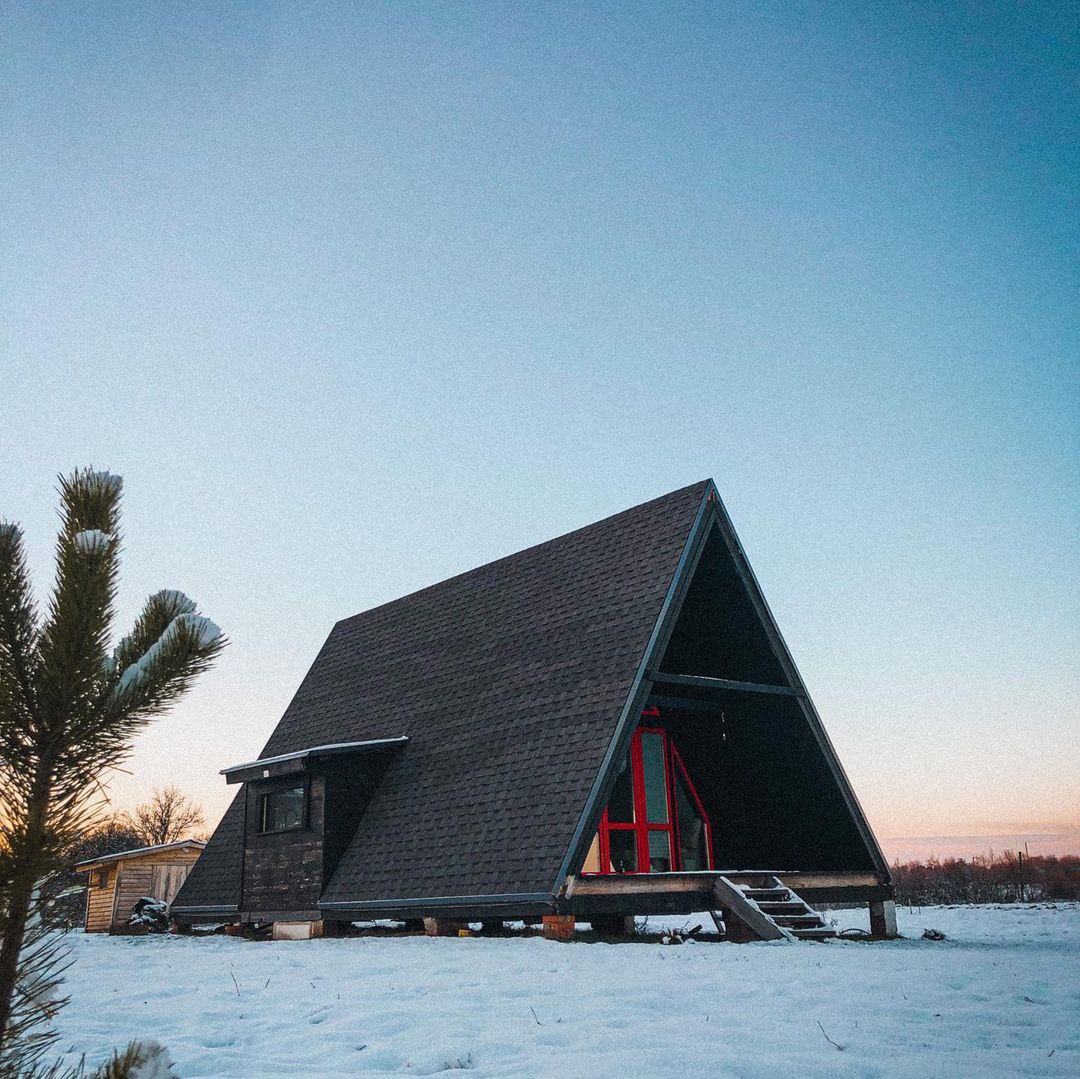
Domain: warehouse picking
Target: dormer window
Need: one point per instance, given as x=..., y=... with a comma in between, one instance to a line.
x=284, y=809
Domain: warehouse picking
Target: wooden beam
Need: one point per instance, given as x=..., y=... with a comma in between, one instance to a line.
x=639, y=884
x=686, y=704
x=654, y=883
x=700, y=681
x=798, y=881
x=586, y=907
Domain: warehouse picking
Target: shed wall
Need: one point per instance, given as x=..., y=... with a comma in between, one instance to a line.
x=127, y=881
x=99, y=904
x=147, y=876
x=134, y=881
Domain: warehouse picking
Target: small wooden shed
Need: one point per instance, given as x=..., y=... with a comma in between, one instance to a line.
x=117, y=881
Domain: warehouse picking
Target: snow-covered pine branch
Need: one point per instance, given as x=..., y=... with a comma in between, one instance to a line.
x=64, y=723
x=91, y=541
x=185, y=646
x=157, y=615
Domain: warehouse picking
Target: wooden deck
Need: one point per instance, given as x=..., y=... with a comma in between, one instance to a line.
x=684, y=893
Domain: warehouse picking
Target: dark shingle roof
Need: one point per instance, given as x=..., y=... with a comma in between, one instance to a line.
x=509, y=681
x=215, y=878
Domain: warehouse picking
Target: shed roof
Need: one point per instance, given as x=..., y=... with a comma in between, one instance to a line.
x=510, y=680
x=138, y=852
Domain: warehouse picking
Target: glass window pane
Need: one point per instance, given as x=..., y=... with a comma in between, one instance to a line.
x=692, y=856
x=283, y=809
x=659, y=851
x=652, y=759
x=621, y=806
x=622, y=843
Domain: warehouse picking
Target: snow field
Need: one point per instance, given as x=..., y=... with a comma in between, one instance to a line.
x=1001, y=996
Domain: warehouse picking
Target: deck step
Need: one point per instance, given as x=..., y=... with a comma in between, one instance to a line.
x=791, y=921
x=821, y=932
x=766, y=894
x=756, y=906
x=790, y=906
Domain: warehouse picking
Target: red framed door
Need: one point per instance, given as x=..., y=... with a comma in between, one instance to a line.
x=654, y=821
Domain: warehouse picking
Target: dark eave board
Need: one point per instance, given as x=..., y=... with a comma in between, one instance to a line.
x=287, y=763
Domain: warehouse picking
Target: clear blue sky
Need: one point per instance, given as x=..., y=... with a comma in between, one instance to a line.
x=358, y=297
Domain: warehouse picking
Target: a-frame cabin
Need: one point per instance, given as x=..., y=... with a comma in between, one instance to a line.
x=602, y=725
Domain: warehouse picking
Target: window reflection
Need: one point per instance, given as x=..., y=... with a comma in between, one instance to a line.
x=692, y=850
x=659, y=851
x=282, y=810
x=652, y=761
x=622, y=843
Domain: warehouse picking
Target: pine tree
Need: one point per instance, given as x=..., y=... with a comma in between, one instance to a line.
x=69, y=710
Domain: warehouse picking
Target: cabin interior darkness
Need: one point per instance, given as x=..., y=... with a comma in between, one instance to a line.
x=766, y=786
x=764, y=780
x=718, y=632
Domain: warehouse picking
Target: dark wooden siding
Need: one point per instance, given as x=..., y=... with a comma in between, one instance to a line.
x=283, y=871
x=287, y=871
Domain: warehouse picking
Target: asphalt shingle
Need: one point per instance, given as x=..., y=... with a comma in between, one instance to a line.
x=509, y=681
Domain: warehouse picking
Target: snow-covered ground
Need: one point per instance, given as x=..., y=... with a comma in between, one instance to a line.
x=1000, y=996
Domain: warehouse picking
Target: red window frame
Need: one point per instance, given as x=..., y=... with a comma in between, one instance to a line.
x=677, y=763
x=640, y=824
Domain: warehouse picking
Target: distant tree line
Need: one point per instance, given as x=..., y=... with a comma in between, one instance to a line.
x=1006, y=877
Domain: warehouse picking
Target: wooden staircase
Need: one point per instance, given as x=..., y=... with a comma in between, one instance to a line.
x=758, y=906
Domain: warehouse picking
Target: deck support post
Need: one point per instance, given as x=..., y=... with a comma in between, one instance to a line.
x=558, y=927
x=443, y=927
x=883, y=919
x=299, y=930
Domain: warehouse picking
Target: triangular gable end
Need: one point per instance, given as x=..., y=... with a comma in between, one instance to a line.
x=724, y=680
